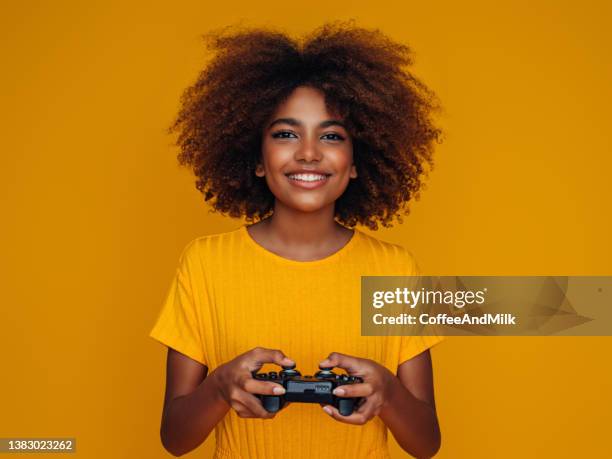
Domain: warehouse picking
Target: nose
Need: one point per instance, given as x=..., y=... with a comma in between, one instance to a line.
x=308, y=151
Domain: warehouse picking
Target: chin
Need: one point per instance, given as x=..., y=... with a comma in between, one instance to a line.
x=306, y=206
x=307, y=209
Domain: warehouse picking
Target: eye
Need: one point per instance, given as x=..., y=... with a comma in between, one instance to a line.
x=333, y=136
x=283, y=135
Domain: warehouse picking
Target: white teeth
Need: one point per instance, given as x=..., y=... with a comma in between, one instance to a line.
x=307, y=177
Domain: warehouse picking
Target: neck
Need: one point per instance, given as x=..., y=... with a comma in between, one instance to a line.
x=296, y=228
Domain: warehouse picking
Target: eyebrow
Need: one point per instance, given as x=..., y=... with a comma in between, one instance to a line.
x=294, y=122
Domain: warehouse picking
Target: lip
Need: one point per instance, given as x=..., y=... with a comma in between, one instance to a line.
x=308, y=185
x=308, y=171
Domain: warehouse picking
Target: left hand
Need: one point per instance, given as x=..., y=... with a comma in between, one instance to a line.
x=378, y=383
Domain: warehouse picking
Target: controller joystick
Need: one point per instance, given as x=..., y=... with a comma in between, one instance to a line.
x=308, y=389
x=325, y=372
x=289, y=370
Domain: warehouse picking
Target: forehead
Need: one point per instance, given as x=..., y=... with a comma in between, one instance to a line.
x=305, y=103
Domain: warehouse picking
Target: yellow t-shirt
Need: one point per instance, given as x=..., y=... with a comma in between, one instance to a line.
x=230, y=295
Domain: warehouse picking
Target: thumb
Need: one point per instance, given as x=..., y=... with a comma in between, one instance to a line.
x=261, y=355
x=336, y=359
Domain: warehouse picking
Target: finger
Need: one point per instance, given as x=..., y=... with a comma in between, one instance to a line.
x=355, y=418
x=354, y=390
x=241, y=410
x=254, y=386
x=253, y=404
x=335, y=359
x=369, y=408
x=261, y=355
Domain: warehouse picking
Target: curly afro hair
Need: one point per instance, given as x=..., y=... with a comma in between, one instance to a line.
x=361, y=72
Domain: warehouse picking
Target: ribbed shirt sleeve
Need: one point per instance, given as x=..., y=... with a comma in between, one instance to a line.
x=411, y=346
x=178, y=324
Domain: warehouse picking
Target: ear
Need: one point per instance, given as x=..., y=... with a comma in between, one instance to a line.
x=259, y=170
x=353, y=172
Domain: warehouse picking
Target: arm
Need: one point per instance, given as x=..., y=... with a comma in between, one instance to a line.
x=405, y=403
x=192, y=405
x=195, y=402
x=410, y=411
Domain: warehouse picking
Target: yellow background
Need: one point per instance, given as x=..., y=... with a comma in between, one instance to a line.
x=95, y=209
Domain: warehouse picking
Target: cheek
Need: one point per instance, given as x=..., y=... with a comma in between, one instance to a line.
x=275, y=156
x=343, y=158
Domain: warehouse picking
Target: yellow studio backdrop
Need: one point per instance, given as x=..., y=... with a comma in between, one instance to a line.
x=95, y=209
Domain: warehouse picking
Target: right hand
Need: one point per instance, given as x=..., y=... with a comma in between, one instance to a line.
x=236, y=385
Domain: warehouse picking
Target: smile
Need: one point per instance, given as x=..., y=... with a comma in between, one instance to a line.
x=308, y=181
x=308, y=177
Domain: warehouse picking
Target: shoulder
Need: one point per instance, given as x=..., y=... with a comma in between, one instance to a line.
x=210, y=246
x=379, y=245
x=395, y=255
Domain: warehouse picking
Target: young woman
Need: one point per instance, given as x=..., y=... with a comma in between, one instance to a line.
x=305, y=140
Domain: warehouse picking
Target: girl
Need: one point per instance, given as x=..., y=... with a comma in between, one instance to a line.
x=305, y=139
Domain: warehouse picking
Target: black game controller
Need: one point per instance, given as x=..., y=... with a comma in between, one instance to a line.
x=308, y=389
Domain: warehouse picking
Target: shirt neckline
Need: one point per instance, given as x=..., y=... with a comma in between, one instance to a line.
x=330, y=258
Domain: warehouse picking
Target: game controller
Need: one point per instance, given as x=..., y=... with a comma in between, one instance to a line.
x=308, y=389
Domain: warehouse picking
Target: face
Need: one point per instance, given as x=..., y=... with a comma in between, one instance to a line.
x=307, y=153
